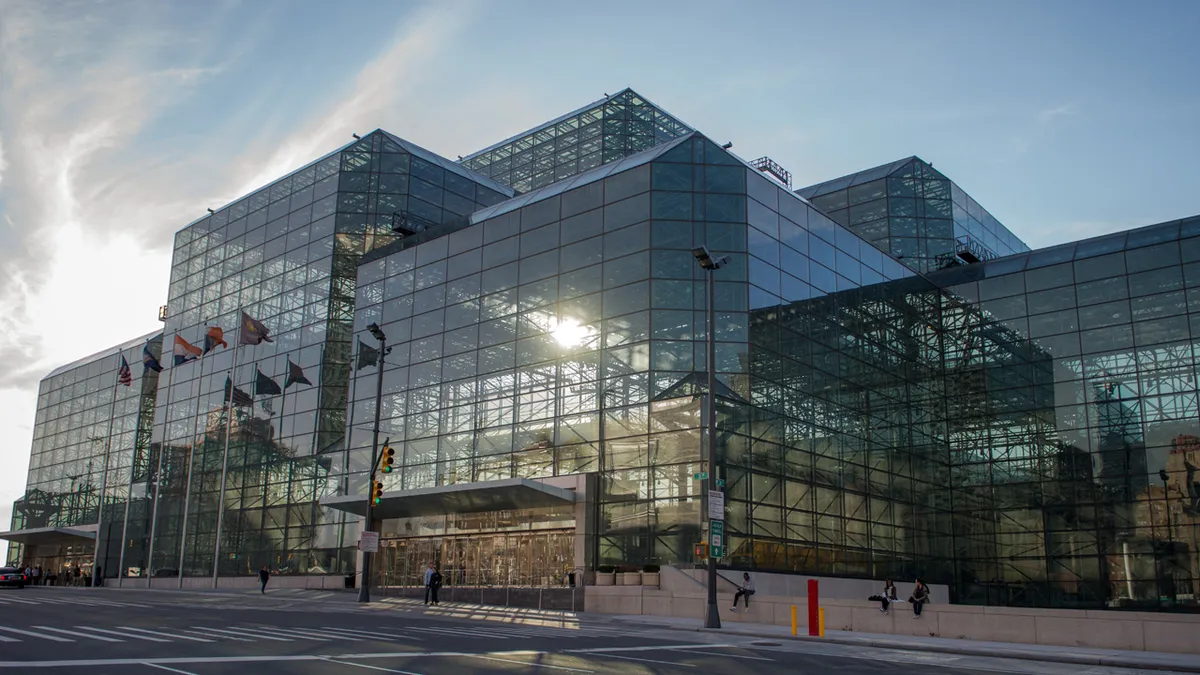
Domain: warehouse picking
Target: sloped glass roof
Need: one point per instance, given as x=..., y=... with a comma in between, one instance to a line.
x=590, y=176
x=853, y=179
x=449, y=165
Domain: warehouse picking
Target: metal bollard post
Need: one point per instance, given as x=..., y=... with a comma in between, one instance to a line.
x=821, y=622
x=793, y=621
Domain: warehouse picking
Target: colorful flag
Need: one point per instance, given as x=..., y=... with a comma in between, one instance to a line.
x=265, y=386
x=253, y=332
x=215, y=337
x=149, y=361
x=367, y=355
x=238, y=396
x=123, y=375
x=295, y=376
x=185, y=351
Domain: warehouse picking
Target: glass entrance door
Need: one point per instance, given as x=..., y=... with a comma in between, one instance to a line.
x=526, y=559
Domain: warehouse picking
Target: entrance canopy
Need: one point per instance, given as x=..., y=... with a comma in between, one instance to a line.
x=498, y=495
x=42, y=536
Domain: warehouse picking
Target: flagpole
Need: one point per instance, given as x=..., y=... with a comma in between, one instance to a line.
x=132, y=470
x=158, y=472
x=320, y=392
x=187, y=489
x=104, y=480
x=225, y=456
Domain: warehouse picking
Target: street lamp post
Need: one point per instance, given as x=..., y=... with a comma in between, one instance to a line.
x=364, y=590
x=712, y=617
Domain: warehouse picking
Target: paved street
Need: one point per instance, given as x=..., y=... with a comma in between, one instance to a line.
x=106, y=632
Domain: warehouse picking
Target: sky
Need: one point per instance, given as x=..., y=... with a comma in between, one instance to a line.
x=120, y=122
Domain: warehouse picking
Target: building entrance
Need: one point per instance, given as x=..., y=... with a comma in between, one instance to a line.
x=516, y=559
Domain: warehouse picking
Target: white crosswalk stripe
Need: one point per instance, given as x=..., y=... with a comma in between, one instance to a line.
x=354, y=634
x=135, y=636
x=246, y=633
x=293, y=633
x=101, y=638
x=218, y=635
x=166, y=635
x=52, y=638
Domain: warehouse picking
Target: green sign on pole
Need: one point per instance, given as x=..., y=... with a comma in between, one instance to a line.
x=716, y=539
x=703, y=475
x=720, y=482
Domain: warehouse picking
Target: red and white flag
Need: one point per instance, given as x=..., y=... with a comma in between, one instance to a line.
x=123, y=375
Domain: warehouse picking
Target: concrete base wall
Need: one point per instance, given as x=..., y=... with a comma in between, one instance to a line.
x=328, y=582
x=766, y=583
x=680, y=595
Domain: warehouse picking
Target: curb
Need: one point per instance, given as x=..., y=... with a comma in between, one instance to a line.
x=967, y=650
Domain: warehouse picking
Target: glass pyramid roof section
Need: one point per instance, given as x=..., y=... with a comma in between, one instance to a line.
x=603, y=131
x=111, y=351
x=448, y=165
x=853, y=179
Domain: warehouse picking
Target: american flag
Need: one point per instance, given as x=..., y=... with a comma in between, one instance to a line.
x=123, y=375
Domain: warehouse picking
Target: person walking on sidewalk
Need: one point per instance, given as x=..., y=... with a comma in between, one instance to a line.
x=263, y=577
x=435, y=583
x=428, y=581
x=744, y=591
x=888, y=597
x=919, y=597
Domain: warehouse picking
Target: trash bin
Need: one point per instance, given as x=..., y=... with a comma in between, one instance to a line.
x=349, y=581
x=571, y=579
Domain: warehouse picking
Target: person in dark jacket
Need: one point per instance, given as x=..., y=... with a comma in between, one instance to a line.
x=920, y=596
x=263, y=577
x=435, y=583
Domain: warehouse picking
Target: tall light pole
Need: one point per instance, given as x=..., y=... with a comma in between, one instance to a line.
x=364, y=590
x=716, y=528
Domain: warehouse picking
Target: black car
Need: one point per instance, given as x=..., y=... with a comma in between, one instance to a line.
x=11, y=576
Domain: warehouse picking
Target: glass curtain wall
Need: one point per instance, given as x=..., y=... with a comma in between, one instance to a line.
x=91, y=441
x=286, y=255
x=1092, y=499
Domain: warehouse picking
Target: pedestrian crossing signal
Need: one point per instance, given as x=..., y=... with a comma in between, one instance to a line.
x=376, y=492
x=386, y=459
x=701, y=551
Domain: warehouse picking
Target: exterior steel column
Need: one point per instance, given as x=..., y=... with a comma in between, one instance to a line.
x=364, y=590
x=158, y=471
x=224, y=466
x=712, y=617
x=112, y=410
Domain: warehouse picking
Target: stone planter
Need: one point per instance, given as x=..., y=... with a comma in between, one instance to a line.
x=605, y=578
x=631, y=579
x=650, y=579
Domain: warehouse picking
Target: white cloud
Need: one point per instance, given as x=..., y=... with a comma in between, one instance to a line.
x=1049, y=115
x=3, y=164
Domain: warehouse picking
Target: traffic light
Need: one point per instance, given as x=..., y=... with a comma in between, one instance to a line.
x=386, y=459
x=701, y=551
x=376, y=492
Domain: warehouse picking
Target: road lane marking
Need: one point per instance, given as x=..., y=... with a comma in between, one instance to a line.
x=5, y=638
x=647, y=648
x=168, y=635
x=732, y=656
x=363, y=634
x=253, y=634
x=215, y=635
x=530, y=663
x=634, y=658
x=363, y=665
x=78, y=634
x=288, y=633
x=463, y=633
x=125, y=635
x=172, y=670
x=53, y=638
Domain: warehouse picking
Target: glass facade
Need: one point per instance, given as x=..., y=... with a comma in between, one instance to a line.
x=609, y=129
x=1023, y=429
x=91, y=443
x=286, y=255
x=911, y=211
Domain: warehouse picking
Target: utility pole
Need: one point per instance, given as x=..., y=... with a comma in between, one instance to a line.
x=364, y=590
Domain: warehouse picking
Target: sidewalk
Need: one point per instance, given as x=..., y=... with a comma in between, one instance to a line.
x=1187, y=663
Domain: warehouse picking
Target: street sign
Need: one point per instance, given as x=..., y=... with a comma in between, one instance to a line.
x=716, y=538
x=368, y=542
x=720, y=482
x=703, y=475
x=716, y=505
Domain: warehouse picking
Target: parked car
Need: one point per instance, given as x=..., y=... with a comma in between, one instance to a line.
x=11, y=576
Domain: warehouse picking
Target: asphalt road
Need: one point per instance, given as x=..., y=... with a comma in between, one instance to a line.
x=105, y=632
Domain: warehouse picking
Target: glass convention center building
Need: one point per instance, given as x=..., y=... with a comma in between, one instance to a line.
x=903, y=388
